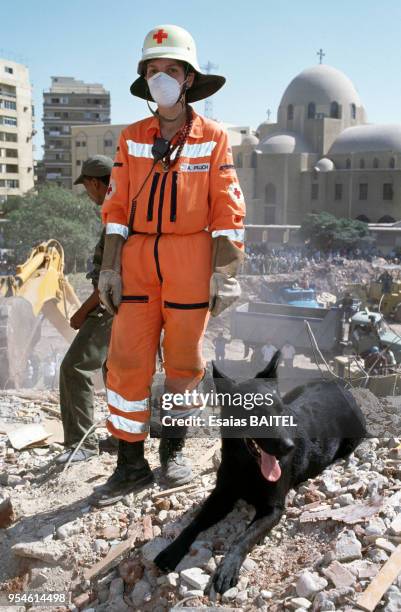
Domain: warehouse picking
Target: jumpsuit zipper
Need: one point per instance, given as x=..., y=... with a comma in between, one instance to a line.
x=161, y=198
x=173, y=203
x=152, y=196
x=156, y=255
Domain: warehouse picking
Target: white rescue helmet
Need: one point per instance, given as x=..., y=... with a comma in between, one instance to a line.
x=173, y=42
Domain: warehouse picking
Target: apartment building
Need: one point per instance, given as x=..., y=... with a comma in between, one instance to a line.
x=16, y=130
x=69, y=103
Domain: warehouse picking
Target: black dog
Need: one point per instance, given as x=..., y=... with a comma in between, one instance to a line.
x=263, y=465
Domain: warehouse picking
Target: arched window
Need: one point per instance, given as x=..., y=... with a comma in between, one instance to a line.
x=108, y=140
x=361, y=163
x=334, y=110
x=270, y=193
x=375, y=163
x=386, y=219
x=311, y=110
x=80, y=139
x=239, y=160
x=290, y=112
x=348, y=163
x=353, y=111
x=392, y=162
x=363, y=218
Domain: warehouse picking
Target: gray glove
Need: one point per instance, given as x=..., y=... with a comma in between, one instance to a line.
x=224, y=291
x=110, y=290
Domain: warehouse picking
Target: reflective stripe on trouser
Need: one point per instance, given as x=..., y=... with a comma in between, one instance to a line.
x=165, y=286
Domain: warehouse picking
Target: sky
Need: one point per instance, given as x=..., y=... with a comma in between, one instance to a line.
x=258, y=45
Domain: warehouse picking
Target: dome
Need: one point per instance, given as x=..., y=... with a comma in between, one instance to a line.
x=322, y=85
x=250, y=139
x=368, y=138
x=324, y=165
x=285, y=142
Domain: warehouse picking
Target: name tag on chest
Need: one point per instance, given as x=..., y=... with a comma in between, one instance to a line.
x=194, y=167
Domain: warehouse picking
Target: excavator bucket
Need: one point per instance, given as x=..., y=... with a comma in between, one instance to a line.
x=39, y=289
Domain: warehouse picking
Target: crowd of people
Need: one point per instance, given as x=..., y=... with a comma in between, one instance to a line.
x=260, y=259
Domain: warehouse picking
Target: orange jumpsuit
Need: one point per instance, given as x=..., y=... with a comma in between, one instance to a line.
x=166, y=265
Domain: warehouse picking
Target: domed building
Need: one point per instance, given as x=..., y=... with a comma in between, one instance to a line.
x=321, y=155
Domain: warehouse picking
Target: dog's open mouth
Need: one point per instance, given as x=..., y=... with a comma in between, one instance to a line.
x=269, y=465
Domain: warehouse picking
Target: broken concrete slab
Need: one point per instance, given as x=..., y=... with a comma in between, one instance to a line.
x=339, y=575
x=25, y=435
x=48, y=552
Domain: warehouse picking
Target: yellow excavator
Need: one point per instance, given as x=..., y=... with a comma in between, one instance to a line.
x=38, y=290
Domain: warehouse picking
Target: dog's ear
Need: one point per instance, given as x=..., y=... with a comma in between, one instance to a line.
x=218, y=374
x=270, y=370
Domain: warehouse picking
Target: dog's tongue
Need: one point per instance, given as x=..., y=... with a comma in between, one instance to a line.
x=270, y=467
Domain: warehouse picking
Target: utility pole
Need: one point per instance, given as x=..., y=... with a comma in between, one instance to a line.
x=209, y=102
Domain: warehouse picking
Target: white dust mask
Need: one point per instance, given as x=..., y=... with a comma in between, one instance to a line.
x=165, y=89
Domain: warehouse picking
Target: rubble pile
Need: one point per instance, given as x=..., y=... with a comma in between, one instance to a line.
x=335, y=536
x=325, y=276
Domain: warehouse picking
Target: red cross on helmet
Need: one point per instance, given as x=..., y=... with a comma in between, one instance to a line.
x=173, y=42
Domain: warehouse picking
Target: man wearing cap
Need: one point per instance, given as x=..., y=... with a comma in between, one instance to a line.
x=175, y=203
x=88, y=350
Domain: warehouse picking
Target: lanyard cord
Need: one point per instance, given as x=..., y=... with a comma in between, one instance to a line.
x=181, y=140
x=166, y=162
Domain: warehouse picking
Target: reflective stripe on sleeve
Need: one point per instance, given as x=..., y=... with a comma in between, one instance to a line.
x=132, y=427
x=116, y=400
x=117, y=228
x=236, y=235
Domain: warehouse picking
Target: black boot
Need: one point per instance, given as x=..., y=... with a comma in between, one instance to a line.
x=176, y=469
x=132, y=473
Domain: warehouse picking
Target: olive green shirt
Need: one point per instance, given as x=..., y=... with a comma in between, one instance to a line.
x=94, y=273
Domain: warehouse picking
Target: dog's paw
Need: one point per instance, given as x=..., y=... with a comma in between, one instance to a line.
x=226, y=575
x=168, y=559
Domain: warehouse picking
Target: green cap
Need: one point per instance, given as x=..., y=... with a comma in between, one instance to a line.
x=95, y=167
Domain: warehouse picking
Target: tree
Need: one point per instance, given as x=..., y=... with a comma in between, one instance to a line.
x=53, y=212
x=325, y=232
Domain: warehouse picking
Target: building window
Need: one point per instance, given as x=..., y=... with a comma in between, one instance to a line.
x=12, y=184
x=311, y=110
x=8, y=104
x=338, y=191
x=108, y=143
x=253, y=159
x=79, y=162
x=290, y=112
x=334, y=110
x=78, y=143
x=353, y=111
x=363, y=191
x=269, y=215
x=9, y=70
x=388, y=191
x=270, y=193
x=392, y=162
x=348, y=164
x=55, y=100
x=5, y=136
x=11, y=168
x=314, y=191
x=361, y=163
x=8, y=121
x=239, y=160
x=375, y=163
